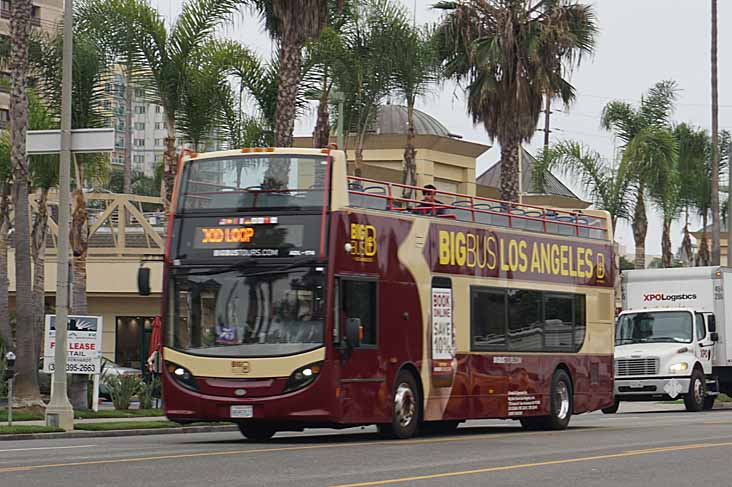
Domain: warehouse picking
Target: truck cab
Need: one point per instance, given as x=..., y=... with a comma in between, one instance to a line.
x=665, y=354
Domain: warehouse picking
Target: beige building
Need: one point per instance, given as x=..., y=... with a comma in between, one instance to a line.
x=443, y=159
x=46, y=16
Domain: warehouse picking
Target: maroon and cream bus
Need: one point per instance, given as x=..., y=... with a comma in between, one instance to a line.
x=297, y=296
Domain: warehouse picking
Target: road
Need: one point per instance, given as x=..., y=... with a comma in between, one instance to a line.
x=663, y=447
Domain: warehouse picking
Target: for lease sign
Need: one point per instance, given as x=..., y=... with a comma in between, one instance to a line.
x=84, y=344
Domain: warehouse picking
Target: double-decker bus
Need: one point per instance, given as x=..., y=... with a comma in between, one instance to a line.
x=298, y=296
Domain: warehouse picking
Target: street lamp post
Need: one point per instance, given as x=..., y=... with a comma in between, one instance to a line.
x=59, y=411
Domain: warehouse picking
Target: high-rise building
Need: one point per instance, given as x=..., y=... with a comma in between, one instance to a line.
x=46, y=15
x=148, y=125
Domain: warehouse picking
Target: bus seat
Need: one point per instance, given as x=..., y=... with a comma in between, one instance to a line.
x=518, y=222
x=564, y=229
x=534, y=225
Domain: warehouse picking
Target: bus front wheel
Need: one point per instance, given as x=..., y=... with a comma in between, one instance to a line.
x=257, y=432
x=561, y=406
x=405, y=408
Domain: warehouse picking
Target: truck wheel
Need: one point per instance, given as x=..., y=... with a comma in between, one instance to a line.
x=694, y=399
x=405, y=409
x=561, y=406
x=709, y=403
x=257, y=432
x=613, y=408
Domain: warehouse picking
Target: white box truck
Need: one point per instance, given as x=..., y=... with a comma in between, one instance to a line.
x=673, y=338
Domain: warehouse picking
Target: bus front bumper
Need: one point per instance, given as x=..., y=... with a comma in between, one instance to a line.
x=629, y=389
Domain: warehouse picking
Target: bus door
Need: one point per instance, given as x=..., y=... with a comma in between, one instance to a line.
x=362, y=380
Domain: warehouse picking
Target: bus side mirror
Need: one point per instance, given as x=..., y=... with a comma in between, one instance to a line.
x=714, y=336
x=143, y=281
x=353, y=332
x=712, y=323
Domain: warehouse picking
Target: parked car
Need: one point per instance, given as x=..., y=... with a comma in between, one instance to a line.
x=109, y=369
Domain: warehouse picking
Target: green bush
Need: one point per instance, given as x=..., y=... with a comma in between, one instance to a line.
x=149, y=391
x=122, y=388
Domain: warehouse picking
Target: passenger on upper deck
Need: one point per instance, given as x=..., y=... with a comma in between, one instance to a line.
x=427, y=206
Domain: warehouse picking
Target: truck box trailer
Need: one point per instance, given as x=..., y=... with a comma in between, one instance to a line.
x=673, y=338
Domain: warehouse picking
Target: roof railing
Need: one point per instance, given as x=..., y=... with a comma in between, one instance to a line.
x=383, y=195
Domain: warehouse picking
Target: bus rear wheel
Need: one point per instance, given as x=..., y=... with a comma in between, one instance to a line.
x=257, y=432
x=405, y=410
x=561, y=406
x=613, y=408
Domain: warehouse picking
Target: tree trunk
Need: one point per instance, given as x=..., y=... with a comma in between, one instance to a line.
x=358, y=162
x=640, y=228
x=686, y=246
x=410, y=155
x=702, y=253
x=290, y=58
x=79, y=246
x=715, y=144
x=321, y=134
x=170, y=164
x=38, y=249
x=510, y=170
x=27, y=392
x=667, y=256
x=129, y=94
x=6, y=335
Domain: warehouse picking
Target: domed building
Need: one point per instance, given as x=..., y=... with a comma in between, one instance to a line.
x=443, y=159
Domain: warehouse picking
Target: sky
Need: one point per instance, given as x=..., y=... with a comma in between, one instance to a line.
x=640, y=43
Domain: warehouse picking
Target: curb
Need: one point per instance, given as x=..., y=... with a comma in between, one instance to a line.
x=120, y=433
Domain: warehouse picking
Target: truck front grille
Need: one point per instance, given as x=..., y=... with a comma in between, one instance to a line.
x=636, y=366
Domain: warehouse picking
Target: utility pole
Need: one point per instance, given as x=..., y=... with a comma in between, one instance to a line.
x=547, y=114
x=59, y=411
x=716, y=230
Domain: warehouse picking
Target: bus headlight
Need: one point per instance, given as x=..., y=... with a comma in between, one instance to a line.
x=678, y=367
x=182, y=376
x=303, y=376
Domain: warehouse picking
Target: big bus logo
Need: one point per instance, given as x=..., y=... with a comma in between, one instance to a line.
x=363, y=242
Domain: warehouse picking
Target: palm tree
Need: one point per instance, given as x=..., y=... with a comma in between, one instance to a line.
x=6, y=335
x=510, y=53
x=167, y=54
x=43, y=177
x=648, y=145
x=610, y=187
x=292, y=24
x=366, y=74
x=27, y=380
x=413, y=75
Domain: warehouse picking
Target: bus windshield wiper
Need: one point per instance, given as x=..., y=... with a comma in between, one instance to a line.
x=240, y=266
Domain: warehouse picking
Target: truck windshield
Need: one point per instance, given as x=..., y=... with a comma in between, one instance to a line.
x=659, y=326
x=235, y=314
x=246, y=182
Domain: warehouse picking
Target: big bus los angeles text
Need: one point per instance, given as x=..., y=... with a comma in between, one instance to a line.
x=298, y=296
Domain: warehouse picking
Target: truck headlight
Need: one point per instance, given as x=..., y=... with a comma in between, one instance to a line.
x=679, y=367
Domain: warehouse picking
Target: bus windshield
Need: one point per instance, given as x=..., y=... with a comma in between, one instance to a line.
x=258, y=181
x=661, y=326
x=236, y=314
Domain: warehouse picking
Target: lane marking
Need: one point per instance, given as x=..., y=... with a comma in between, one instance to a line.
x=504, y=468
x=48, y=448
x=219, y=453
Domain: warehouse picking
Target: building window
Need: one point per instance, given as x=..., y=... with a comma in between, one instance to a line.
x=139, y=159
x=524, y=320
x=158, y=108
x=140, y=109
x=132, y=340
x=139, y=125
x=158, y=142
x=4, y=115
x=140, y=142
x=139, y=93
x=107, y=104
x=158, y=125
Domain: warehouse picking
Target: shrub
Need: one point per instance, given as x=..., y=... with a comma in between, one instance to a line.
x=149, y=391
x=122, y=388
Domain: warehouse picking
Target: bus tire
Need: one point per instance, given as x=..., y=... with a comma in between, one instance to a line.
x=613, y=408
x=405, y=409
x=561, y=404
x=257, y=432
x=694, y=398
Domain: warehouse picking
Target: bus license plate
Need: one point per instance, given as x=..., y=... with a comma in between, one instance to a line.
x=242, y=412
